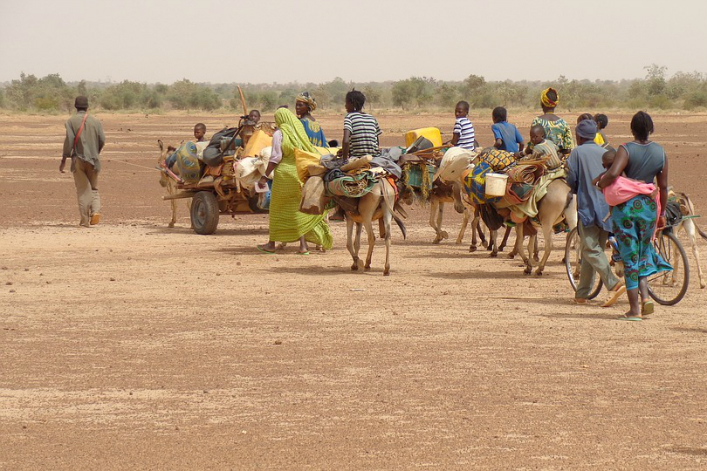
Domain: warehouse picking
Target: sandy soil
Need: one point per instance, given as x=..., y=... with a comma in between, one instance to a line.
x=135, y=346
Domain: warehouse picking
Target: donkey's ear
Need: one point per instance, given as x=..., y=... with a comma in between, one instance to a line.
x=159, y=141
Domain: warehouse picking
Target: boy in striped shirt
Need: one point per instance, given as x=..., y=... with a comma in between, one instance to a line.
x=463, y=128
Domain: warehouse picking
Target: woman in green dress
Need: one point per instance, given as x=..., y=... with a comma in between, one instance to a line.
x=287, y=223
x=556, y=128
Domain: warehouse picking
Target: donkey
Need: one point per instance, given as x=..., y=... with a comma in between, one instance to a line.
x=377, y=205
x=688, y=224
x=166, y=181
x=550, y=211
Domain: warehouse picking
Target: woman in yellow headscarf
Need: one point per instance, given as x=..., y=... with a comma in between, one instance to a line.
x=556, y=128
x=287, y=223
x=304, y=105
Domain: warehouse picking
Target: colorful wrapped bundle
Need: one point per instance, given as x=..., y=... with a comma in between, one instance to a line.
x=497, y=159
x=353, y=186
x=187, y=163
x=474, y=181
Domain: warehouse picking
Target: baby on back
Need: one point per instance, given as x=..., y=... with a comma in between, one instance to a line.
x=623, y=188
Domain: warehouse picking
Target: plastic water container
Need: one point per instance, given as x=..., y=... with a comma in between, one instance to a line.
x=257, y=142
x=432, y=134
x=496, y=184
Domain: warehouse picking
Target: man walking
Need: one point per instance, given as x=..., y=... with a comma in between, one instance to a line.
x=584, y=165
x=83, y=144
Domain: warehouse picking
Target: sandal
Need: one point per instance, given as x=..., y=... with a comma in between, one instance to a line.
x=614, y=295
x=626, y=317
x=264, y=250
x=648, y=307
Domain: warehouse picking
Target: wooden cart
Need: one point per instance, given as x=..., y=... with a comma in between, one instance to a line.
x=211, y=197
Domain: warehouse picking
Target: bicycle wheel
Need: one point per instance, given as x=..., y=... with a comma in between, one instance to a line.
x=669, y=287
x=573, y=261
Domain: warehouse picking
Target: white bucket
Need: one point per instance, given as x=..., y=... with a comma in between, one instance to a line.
x=496, y=184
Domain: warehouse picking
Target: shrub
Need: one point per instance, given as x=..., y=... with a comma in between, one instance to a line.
x=696, y=100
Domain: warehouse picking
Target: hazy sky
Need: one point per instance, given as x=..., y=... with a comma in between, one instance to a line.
x=363, y=40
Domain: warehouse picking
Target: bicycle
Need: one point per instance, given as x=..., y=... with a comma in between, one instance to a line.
x=666, y=288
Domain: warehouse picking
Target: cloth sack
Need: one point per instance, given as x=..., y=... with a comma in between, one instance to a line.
x=213, y=155
x=313, y=196
x=497, y=159
x=304, y=159
x=453, y=163
x=187, y=162
x=353, y=186
x=474, y=181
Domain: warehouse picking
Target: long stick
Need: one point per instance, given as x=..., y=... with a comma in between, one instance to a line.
x=240, y=92
x=177, y=196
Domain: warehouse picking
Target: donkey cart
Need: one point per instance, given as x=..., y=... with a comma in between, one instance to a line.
x=222, y=181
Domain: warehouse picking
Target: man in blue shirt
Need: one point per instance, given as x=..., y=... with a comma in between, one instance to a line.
x=505, y=134
x=583, y=166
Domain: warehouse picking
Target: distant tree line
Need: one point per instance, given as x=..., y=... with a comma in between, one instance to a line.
x=686, y=91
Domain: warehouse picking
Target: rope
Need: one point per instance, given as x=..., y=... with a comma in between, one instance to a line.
x=136, y=165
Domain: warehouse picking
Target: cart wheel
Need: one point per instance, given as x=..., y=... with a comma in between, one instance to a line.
x=204, y=213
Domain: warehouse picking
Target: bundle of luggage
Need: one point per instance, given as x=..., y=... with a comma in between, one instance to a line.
x=200, y=163
x=329, y=178
x=497, y=175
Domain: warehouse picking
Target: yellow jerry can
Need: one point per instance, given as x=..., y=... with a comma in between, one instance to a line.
x=431, y=134
x=257, y=142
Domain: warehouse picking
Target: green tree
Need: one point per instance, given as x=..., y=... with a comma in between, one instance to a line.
x=447, y=95
x=655, y=79
x=373, y=96
x=413, y=91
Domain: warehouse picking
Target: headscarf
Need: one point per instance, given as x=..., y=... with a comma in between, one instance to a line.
x=305, y=97
x=546, y=102
x=293, y=134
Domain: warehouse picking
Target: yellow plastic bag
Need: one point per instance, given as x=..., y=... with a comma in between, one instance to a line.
x=304, y=159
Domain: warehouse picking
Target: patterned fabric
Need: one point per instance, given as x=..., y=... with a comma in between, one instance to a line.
x=353, y=186
x=314, y=132
x=521, y=182
x=498, y=159
x=558, y=132
x=475, y=183
x=287, y=223
x=187, y=163
x=364, y=132
x=465, y=129
x=305, y=97
x=546, y=150
x=634, y=223
x=547, y=102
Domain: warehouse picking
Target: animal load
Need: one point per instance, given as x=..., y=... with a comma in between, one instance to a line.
x=521, y=182
x=314, y=198
x=431, y=135
x=187, y=163
x=352, y=185
x=497, y=159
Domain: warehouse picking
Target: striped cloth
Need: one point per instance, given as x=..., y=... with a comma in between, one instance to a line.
x=287, y=223
x=364, y=131
x=465, y=129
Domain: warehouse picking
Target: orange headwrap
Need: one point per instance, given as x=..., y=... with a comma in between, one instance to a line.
x=546, y=102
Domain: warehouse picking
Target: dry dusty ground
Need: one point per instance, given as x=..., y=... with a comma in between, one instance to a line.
x=135, y=346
